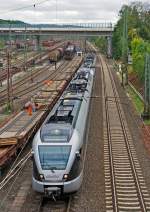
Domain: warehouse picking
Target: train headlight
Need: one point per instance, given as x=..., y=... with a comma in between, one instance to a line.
x=41, y=177
x=65, y=177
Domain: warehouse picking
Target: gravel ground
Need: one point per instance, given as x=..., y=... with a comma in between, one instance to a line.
x=91, y=196
x=14, y=194
x=135, y=123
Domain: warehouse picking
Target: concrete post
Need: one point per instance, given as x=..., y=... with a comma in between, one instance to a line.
x=109, y=46
x=146, y=113
x=38, y=42
x=1, y=171
x=85, y=44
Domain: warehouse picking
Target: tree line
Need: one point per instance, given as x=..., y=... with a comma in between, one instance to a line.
x=138, y=25
x=11, y=22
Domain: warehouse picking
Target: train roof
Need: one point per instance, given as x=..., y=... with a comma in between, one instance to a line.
x=54, y=133
x=65, y=114
x=59, y=125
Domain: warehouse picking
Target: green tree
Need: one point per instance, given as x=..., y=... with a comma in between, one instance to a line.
x=138, y=53
x=101, y=43
x=138, y=21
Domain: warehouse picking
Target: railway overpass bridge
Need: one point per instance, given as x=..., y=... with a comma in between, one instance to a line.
x=76, y=30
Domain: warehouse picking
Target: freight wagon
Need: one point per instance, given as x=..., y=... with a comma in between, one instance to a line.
x=56, y=55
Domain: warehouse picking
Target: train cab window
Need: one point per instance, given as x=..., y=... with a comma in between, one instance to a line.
x=54, y=157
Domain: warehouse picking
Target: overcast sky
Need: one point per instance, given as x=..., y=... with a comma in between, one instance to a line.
x=56, y=11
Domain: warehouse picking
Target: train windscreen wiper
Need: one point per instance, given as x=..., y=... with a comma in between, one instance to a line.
x=53, y=168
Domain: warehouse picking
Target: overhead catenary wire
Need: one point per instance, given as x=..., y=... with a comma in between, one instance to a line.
x=16, y=174
x=25, y=7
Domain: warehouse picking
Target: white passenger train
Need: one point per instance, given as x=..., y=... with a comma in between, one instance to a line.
x=57, y=164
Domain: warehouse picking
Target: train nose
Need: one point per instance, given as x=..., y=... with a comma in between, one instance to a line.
x=53, y=191
x=54, y=176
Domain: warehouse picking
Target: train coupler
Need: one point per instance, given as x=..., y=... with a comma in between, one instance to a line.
x=53, y=192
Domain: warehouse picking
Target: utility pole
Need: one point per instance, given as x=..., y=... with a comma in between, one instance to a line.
x=9, y=83
x=11, y=88
x=25, y=48
x=9, y=75
x=125, y=47
x=146, y=113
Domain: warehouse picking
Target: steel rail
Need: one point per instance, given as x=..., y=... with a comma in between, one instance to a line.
x=47, y=204
x=141, y=199
x=32, y=87
x=115, y=207
x=127, y=144
x=12, y=172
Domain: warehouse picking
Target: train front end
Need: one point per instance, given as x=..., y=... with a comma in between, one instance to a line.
x=56, y=162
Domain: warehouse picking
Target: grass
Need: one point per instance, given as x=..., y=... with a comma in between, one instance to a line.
x=137, y=102
x=147, y=122
x=6, y=113
x=7, y=110
x=130, y=69
x=139, y=105
x=1, y=44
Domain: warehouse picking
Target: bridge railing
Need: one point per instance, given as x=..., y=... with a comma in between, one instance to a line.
x=63, y=25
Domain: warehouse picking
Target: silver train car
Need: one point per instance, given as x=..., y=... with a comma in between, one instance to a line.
x=57, y=164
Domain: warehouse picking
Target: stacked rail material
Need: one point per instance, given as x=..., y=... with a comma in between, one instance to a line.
x=54, y=87
x=48, y=93
x=18, y=130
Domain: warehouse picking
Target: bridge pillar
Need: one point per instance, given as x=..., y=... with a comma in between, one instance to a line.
x=38, y=42
x=109, y=46
x=85, y=45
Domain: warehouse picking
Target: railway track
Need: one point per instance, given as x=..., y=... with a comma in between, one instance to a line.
x=15, y=169
x=16, y=124
x=125, y=187
x=22, y=87
x=10, y=181
x=47, y=204
x=25, y=79
x=38, y=57
x=17, y=65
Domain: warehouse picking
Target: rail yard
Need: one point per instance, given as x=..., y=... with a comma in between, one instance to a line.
x=114, y=157
x=74, y=108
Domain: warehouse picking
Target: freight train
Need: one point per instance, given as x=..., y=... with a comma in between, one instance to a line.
x=69, y=52
x=48, y=43
x=56, y=55
x=57, y=146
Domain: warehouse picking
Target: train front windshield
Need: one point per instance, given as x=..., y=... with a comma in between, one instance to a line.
x=54, y=157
